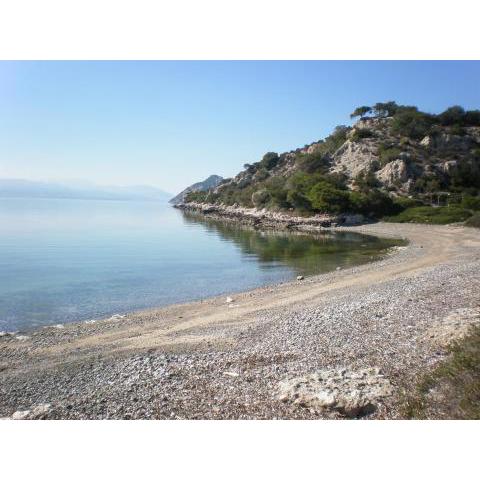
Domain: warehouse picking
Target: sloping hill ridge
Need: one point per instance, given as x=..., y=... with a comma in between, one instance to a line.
x=391, y=155
x=211, y=182
x=83, y=190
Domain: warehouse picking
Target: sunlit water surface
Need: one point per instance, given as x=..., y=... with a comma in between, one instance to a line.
x=68, y=260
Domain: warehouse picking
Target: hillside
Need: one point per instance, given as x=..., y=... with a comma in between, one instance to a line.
x=209, y=183
x=82, y=190
x=394, y=156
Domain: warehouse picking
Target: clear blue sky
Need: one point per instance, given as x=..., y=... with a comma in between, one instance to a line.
x=169, y=124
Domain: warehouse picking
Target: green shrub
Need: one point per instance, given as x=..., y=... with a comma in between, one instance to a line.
x=452, y=389
x=260, y=198
x=451, y=116
x=365, y=181
x=412, y=123
x=471, y=203
x=472, y=118
x=433, y=215
x=195, y=196
x=261, y=175
x=360, y=133
x=325, y=198
x=406, y=202
x=466, y=175
x=269, y=160
x=473, y=221
x=373, y=203
x=299, y=201
x=457, y=116
x=313, y=162
x=387, y=153
x=275, y=186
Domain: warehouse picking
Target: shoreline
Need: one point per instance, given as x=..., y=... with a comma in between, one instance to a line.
x=242, y=350
x=267, y=219
x=269, y=227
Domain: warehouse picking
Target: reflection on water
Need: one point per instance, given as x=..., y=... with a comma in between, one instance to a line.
x=305, y=253
x=68, y=260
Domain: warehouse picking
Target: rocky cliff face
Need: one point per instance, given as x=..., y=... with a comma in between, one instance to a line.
x=211, y=182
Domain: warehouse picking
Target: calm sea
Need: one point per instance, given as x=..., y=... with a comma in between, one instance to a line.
x=68, y=260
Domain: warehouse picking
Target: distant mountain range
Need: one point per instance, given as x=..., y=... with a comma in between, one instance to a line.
x=79, y=190
x=211, y=182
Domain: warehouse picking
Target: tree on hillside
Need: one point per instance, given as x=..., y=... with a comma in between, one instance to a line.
x=387, y=109
x=453, y=115
x=472, y=118
x=360, y=112
x=269, y=160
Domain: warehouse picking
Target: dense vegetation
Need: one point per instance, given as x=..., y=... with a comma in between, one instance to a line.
x=452, y=389
x=302, y=180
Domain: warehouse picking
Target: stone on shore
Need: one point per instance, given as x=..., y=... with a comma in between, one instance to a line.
x=36, y=413
x=350, y=393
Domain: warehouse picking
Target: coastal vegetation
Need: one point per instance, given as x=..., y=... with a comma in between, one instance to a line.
x=396, y=162
x=434, y=215
x=452, y=389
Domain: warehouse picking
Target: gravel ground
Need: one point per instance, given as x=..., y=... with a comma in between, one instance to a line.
x=224, y=360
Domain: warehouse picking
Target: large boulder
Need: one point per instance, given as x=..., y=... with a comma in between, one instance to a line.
x=347, y=392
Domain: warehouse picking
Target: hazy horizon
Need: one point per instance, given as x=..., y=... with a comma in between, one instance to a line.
x=83, y=183
x=169, y=124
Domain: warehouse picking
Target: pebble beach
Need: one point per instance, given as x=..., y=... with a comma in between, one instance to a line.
x=346, y=344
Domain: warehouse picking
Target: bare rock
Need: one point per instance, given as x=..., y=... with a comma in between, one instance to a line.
x=350, y=393
x=353, y=158
x=39, y=411
x=314, y=147
x=21, y=415
x=447, y=140
x=36, y=413
x=393, y=172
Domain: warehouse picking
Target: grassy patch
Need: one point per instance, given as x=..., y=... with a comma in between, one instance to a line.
x=433, y=215
x=452, y=390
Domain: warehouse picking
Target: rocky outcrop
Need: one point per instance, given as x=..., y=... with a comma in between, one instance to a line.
x=353, y=158
x=447, y=141
x=211, y=182
x=346, y=392
x=393, y=173
x=267, y=218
